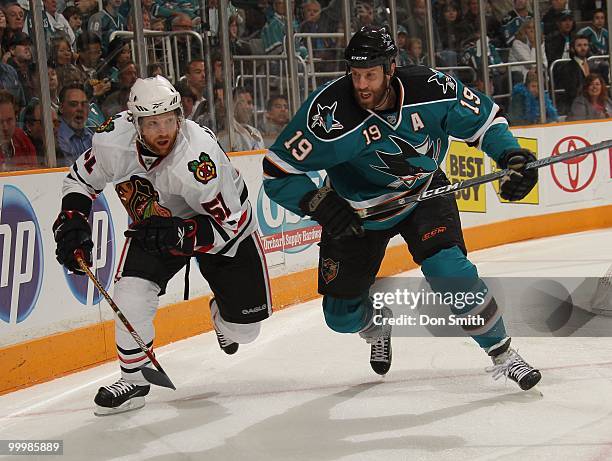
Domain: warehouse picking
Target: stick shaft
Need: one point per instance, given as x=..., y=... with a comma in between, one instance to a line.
x=401, y=202
x=115, y=308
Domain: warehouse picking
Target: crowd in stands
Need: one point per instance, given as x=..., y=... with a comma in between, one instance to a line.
x=90, y=73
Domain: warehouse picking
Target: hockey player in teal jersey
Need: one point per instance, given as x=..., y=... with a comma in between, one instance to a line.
x=381, y=132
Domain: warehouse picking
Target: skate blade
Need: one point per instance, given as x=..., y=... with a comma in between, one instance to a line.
x=133, y=404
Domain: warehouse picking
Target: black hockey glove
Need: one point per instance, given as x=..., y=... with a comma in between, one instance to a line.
x=165, y=236
x=520, y=182
x=332, y=212
x=72, y=232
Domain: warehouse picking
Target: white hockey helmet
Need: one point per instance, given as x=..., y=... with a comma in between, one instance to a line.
x=152, y=96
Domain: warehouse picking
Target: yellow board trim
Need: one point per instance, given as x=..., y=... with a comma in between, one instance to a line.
x=43, y=359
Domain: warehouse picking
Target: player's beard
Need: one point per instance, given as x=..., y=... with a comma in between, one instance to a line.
x=376, y=98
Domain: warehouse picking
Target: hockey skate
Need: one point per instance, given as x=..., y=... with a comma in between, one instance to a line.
x=507, y=362
x=379, y=339
x=227, y=345
x=119, y=398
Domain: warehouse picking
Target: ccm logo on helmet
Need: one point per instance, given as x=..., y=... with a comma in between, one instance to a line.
x=359, y=58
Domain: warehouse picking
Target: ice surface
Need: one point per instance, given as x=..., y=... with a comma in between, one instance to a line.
x=303, y=392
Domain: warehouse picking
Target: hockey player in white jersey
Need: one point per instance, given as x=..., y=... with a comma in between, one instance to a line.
x=185, y=199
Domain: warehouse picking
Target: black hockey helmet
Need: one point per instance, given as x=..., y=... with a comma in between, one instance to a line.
x=371, y=47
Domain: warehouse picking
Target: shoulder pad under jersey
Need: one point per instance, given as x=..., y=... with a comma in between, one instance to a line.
x=334, y=112
x=422, y=85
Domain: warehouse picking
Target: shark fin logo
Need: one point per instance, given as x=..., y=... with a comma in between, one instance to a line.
x=443, y=80
x=411, y=163
x=326, y=118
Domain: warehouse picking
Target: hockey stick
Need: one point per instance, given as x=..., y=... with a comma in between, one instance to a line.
x=395, y=204
x=157, y=377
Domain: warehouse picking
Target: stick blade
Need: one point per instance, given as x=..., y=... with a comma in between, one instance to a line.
x=159, y=378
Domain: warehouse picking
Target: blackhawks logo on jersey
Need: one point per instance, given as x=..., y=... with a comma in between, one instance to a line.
x=411, y=163
x=140, y=199
x=108, y=125
x=203, y=170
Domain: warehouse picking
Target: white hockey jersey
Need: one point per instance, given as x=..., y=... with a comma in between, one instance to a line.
x=195, y=178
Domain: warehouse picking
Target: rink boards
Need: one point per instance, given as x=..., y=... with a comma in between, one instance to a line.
x=53, y=323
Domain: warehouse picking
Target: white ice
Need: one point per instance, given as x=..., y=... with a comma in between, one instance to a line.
x=303, y=392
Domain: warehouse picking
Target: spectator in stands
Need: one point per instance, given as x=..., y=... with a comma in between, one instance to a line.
x=107, y=21
x=146, y=20
x=119, y=54
x=73, y=136
x=598, y=39
x=73, y=16
x=196, y=80
x=471, y=21
x=3, y=50
x=188, y=98
x=20, y=49
x=514, y=19
x=216, y=61
x=414, y=47
x=34, y=128
x=90, y=52
x=117, y=101
x=15, y=19
x=16, y=149
x=155, y=68
x=452, y=31
x=315, y=23
x=416, y=23
x=9, y=81
x=180, y=23
x=273, y=33
x=524, y=49
x=364, y=15
x=402, y=58
x=247, y=137
x=558, y=43
x=158, y=24
x=525, y=105
x=54, y=24
x=87, y=8
x=53, y=89
x=500, y=8
x=572, y=74
x=89, y=47
x=593, y=102
x=552, y=16
x=276, y=116
x=237, y=45
x=63, y=58
x=597, y=33
x=472, y=56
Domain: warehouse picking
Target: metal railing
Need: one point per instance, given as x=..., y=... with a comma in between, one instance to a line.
x=265, y=73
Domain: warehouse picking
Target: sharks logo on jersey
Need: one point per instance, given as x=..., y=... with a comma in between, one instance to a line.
x=411, y=163
x=443, y=80
x=326, y=118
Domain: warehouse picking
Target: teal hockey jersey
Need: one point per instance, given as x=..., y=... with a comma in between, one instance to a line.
x=372, y=157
